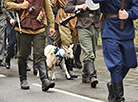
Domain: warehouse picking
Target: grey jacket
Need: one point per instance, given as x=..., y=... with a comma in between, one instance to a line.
x=9, y=14
x=84, y=20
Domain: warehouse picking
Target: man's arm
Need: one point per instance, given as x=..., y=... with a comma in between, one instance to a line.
x=6, y=12
x=11, y=5
x=50, y=16
x=133, y=11
x=69, y=6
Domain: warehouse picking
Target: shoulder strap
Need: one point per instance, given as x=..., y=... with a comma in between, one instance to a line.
x=126, y=3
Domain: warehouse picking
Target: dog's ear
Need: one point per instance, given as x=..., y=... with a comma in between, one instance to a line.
x=71, y=46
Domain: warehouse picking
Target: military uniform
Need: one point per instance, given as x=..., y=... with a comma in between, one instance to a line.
x=118, y=44
x=33, y=32
x=64, y=35
x=88, y=32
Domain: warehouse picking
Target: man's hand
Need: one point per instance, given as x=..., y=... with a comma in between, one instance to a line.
x=123, y=14
x=12, y=21
x=24, y=5
x=51, y=31
x=83, y=6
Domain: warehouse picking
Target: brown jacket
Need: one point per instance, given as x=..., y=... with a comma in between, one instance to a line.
x=12, y=5
x=84, y=20
x=62, y=15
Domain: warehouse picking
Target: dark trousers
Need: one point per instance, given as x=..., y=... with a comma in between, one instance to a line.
x=119, y=57
x=11, y=36
x=24, y=43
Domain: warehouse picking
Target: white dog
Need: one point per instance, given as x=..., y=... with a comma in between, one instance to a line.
x=53, y=54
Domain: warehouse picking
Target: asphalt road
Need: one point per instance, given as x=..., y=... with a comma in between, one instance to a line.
x=65, y=90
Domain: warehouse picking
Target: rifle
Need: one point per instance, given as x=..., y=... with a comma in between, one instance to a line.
x=67, y=19
x=31, y=9
x=19, y=21
x=122, y=8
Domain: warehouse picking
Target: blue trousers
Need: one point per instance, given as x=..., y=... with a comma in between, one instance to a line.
x=11, y=36
x=119, y=57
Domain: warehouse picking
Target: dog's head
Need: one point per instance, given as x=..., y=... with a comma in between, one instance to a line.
x=69, y=51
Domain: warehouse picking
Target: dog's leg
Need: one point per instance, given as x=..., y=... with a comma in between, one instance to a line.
x=65, y=68
x=37, y=74
x=53, y=73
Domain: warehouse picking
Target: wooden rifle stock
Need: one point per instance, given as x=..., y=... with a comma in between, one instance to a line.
x=122, y=8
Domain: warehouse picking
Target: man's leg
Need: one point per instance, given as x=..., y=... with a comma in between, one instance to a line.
x=23, y=45
x=2, y=37
x=11, y=35
x=88, y=41
x=40, y=61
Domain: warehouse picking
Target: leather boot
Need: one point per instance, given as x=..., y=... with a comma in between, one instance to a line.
x=78, y=63
x=46, y=83
x=22, y=74
x=118, y=91
x=69, y=65
x=111, y=96
x=7, y=63
x=89, y=74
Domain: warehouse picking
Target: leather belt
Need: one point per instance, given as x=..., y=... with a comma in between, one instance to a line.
x=87, y=15
x=110, y=15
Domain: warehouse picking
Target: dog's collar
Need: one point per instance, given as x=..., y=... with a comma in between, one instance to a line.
x=59, y=53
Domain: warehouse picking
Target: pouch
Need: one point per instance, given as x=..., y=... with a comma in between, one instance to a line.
x=42, y=18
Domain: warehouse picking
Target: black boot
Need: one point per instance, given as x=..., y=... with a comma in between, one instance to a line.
x=78, y=63
x=2, y=63
x=118, y=91
x=22, y=75
x=7, y=63
x=111, y=96
x=46, y=83
x=89, y=74
x=69, y=65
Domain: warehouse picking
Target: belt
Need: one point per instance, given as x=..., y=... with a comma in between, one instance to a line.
x=110, y=15
x=87, y=15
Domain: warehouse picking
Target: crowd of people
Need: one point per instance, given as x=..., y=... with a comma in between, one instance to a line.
x=40, y=20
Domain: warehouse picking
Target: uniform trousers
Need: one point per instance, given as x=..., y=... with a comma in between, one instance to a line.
x=24, y=43
x=119, y=56
x=88, y=40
